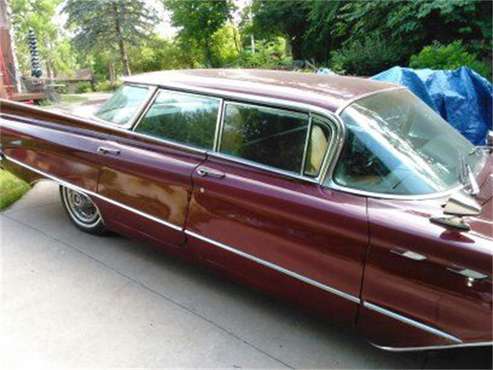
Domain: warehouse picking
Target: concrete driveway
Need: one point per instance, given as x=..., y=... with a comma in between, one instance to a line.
x=73, y=300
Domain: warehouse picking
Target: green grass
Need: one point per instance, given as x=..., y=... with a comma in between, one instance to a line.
x=11, y=188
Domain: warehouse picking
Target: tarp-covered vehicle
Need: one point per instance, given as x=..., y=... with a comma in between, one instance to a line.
x=462, y=97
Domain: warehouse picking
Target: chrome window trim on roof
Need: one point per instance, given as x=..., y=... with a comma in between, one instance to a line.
x=363, y=96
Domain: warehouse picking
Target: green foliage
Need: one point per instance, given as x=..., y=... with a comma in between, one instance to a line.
x=367, y=57
x=157, y=54
x=83, y=87
x=224, y=48
x=115, y=24
x=315, y=28
x=268, y=54
x=106, y=86
x=451, y=56
x=282, y=18
x=198, y=21
x=55, y=50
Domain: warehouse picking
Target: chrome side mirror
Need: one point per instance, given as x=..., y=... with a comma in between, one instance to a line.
x=458, y=206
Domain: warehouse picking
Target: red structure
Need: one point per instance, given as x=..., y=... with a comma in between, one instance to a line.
x=8, y=83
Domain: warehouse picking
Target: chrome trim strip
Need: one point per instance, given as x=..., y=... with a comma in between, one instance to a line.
x=219, y=126
x=305, y=147
x=93, y=194
x=429, y=348
x=362, y=96
x=332, y=185
x=293, y=175
x=411, y=322
x=273, y=266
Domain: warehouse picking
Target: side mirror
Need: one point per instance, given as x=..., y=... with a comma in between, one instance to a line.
x=489, y=138
x=458, y=206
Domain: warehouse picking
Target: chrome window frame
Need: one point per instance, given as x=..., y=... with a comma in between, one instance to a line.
x=171, y=142
x=328, y=117
x=138, y=112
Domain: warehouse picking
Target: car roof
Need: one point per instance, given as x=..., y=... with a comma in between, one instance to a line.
x=330, y=92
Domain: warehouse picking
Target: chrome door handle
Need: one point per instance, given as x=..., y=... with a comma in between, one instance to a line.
x=408, y=254
x=470, y=274
x=108, y=151
x=204, y=171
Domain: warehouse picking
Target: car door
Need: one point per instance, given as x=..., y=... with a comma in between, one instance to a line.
x=257, y=215
x=148, y=170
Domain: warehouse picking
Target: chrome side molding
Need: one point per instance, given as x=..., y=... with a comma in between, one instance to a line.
x=278, y=268
x=411, y=322
x=96, y=195
x=430, y=348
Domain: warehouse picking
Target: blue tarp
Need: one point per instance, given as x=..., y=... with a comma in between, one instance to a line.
x=462, y=97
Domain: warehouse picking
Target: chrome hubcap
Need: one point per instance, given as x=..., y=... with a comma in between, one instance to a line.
x=81, y=207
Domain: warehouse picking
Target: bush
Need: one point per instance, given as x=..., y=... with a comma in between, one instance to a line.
x=268, y=54
x=107, y=85
x=366, y=57
x=83, y=87
x=451, y=56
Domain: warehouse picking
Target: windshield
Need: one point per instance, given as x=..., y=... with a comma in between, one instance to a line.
x=123, y=104
x=397, y=145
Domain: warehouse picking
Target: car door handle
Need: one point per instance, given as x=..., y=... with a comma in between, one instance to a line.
x=408, y=254
x=204, y=171
x=108, y=151
x=468, y=273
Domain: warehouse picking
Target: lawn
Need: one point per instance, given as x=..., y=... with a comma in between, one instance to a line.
x=11, y=188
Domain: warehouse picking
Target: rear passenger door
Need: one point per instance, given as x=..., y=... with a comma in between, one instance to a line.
x=258, y=211
x=148, y=171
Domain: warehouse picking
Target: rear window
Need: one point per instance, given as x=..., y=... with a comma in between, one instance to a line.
x=122, y=107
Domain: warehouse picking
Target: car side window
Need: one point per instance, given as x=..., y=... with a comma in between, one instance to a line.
x=318, y=144
x=124, y=104
x=268, y=136
x=182, y=118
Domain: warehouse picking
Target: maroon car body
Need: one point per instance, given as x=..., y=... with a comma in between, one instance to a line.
x=334, y=251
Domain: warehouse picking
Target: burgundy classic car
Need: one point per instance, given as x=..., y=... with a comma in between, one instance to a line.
x=349, y=197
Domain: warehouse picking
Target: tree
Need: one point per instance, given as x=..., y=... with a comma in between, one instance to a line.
x=54, y=49
x=198, y=21
x=115, y=24
x=418, y=23
x=282, y=18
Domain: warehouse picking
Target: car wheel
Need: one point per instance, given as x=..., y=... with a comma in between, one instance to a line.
x=82, y=211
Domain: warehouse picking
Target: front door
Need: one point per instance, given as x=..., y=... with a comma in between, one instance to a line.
x=148, y=171
x=258, y=212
